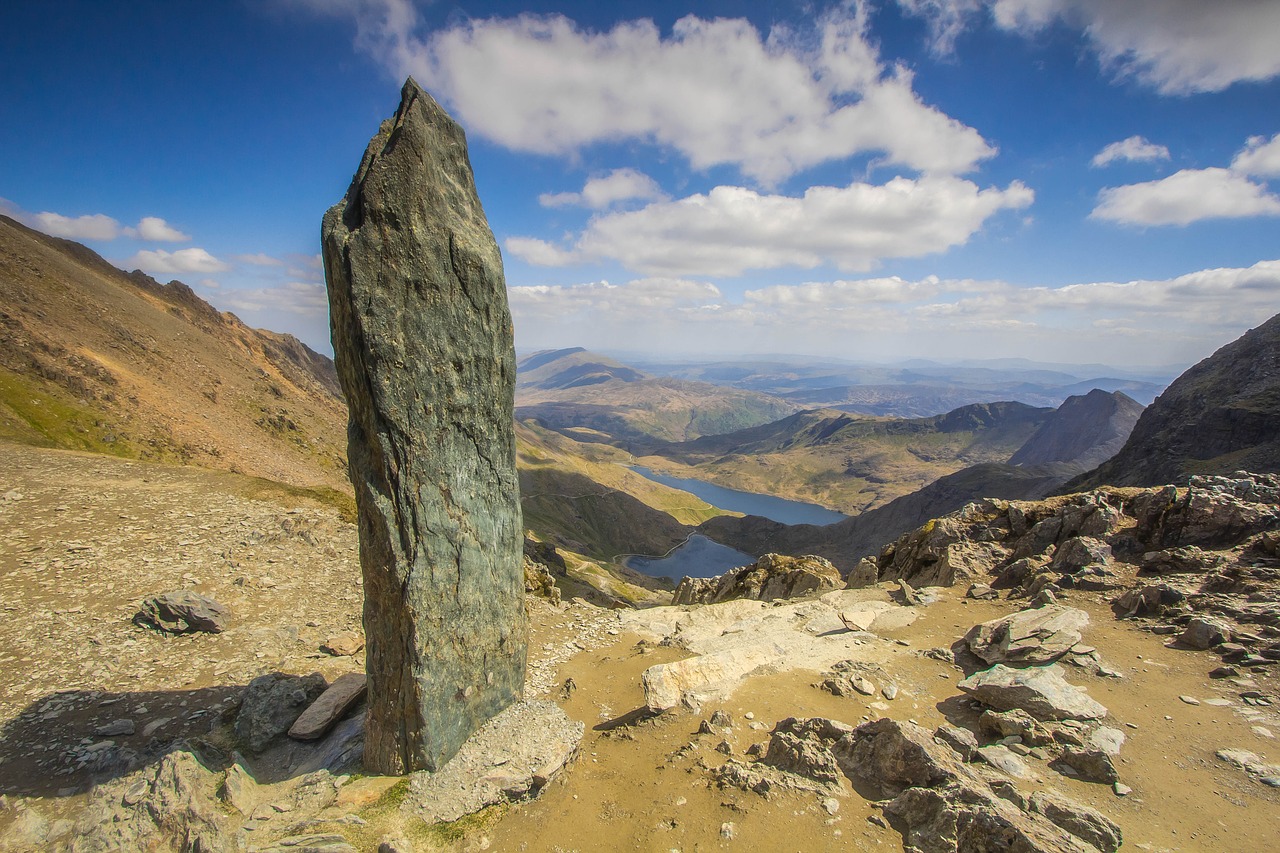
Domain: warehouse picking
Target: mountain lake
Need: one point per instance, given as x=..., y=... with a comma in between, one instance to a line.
x=697, y=557
x=701, y=557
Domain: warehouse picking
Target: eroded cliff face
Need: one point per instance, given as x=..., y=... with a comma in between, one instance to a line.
x=424, y=349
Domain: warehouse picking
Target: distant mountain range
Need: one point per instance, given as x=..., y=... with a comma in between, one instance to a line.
x=100, y=360
x=917, y=388
x=849, y=462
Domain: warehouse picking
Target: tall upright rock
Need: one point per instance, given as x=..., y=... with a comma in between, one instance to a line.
x=424, y=349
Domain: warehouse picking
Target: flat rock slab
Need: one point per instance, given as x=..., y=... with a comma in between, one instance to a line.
x=1041, y=691
x=693, y=681
x=737, y=638
x=511, y=757
x=1037, y=636
x=333, y=705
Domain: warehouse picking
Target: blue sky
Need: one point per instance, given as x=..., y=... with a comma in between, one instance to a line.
x=1062, y=180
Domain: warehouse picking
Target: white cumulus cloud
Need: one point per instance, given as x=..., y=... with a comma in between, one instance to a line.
x=97, y=226
x=1134, y=148
x=1260, y=156
x=1195, y=194
x=730, y=230
x=607, y=190
x=718, y=91
x=1174, y=46
x=1185, y=197
x=155, y=229
x=159, y=261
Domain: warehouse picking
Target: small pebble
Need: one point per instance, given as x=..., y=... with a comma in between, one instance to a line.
x=1190, y=700
x=1121, y=789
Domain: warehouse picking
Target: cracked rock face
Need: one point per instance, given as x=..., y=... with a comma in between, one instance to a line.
x=423, y=345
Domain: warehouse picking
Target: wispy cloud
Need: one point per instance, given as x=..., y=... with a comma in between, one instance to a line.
x=1192, y=195
x=607, y=190
x=1144, y=321
x=1174, y=46
x=98, y=227
x=95, y=226
x=1260, y=156
x=1134, y=148
x=153, y=229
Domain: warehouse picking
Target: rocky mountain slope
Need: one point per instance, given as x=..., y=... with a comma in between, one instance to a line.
x=846, y=542
x=1084, y=431
x=593, y=398
x=92, y=358
x=1216, y=418
x=96, y=359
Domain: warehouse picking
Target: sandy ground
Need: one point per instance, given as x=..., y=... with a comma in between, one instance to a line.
x=86, y=538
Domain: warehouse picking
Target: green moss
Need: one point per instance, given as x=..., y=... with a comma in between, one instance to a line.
x=343, y=502
x=50, y=417
x=464, y=827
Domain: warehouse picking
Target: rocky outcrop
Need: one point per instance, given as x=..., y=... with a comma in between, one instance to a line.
x=770, y=578
x=1213, y=544
x=423, y=345
x=511, y=757
x=938, y=803
x=1085, y=431
x=1218, y=417
x=168, y=806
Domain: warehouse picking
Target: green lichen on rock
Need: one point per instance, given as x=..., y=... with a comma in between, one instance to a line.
x=424, y=350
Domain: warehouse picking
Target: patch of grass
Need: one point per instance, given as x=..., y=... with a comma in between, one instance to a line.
x=464, y=827
x=44, y=417
x=343, y=502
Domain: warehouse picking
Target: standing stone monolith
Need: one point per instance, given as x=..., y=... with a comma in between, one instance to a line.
x=423, y=344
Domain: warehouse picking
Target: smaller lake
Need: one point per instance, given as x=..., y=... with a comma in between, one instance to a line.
x=778, y=509
x=698, y=557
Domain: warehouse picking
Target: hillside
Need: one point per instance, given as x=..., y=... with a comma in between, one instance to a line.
x=1216, y=418
x=575, y=367
x=1084, y=431
x=594, y=398
x=92, y=358
x=853, y=463
x=1085, y=428
x=95, y=359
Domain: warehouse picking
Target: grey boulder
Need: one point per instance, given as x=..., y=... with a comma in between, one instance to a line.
x=183, y=612
x=1040, y=691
